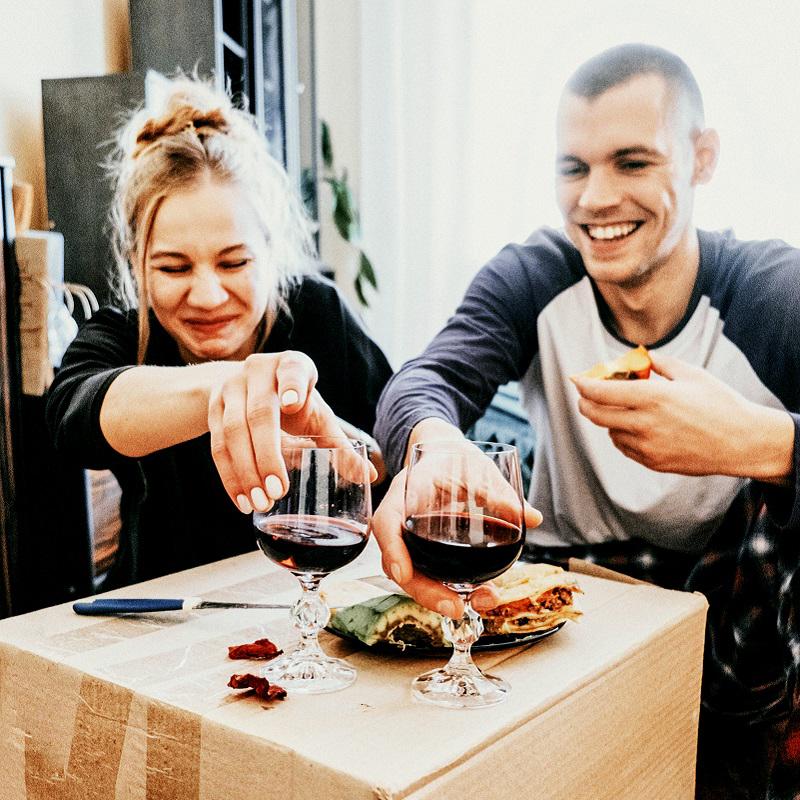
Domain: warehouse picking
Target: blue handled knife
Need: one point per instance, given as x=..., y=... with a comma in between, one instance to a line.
x=124, y=605
x=119, y=605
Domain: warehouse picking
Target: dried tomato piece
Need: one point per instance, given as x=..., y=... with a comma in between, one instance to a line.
x=261, y=686
x=260, y=648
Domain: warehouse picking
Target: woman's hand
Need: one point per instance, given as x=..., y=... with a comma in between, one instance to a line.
x=249, y=409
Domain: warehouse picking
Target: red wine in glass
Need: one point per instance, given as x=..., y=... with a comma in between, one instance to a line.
x=318, y=526
x=464, y=525
x=459, y=547
x=309, y=543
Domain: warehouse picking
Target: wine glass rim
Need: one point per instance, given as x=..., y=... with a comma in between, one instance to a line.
x=450, y=446
x=314, y=442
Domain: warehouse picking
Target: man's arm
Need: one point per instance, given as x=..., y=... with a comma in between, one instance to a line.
x=489, y=341
x=433, y=398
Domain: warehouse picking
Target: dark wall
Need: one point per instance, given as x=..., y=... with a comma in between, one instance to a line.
x=80, y=116
x=166, y=35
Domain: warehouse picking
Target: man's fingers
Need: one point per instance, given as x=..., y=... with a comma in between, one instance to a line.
x=468, y=479
x=493, y=491
x=608, y=416
x=629, y=445
x=484, y=597
x=435, y=596
x=387, y=525
x=624, y=394
x=672, y=368
x=533, y=517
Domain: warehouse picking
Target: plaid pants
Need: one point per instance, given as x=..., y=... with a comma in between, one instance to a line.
x=749, y=741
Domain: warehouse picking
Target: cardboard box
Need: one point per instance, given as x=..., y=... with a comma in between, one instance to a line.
x=138, y=707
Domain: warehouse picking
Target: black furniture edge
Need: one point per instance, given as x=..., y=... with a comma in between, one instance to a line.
x=10, y=390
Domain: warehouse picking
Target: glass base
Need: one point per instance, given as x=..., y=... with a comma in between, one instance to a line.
x=310, y=673
x=462, y=688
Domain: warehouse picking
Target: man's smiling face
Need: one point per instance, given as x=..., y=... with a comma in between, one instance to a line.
x=625, y=178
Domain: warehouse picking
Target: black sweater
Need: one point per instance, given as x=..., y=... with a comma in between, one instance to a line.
x=175, y=512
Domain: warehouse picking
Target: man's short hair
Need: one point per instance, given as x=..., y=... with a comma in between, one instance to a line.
x=619, y=64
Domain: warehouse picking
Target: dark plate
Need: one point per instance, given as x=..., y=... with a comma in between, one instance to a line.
x=485, y=643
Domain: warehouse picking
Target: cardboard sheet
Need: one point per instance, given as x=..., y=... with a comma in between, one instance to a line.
x=138, y=707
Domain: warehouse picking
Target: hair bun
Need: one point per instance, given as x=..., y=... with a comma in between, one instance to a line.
x=182, y=119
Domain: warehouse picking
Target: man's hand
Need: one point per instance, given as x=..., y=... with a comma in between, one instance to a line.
x=691, y=424
x=387, y=525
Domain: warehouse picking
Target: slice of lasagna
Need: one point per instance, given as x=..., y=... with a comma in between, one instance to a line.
x=532, y=597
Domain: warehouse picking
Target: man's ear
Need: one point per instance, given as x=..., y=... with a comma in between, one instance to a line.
x=706, y=153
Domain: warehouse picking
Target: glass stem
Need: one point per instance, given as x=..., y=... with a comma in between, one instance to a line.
x=310, y=614
x=463, y=633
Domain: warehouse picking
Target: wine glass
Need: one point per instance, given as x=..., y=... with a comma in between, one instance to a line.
x=464, y=525
x=318, y=526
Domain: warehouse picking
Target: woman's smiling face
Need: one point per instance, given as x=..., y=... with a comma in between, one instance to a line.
x=208, y=280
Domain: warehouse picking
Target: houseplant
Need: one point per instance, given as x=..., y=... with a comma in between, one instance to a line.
x=345, y=215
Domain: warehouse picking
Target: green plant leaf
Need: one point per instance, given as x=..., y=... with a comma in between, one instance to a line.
x=365, y=270
x=308, y=191
x=326, y=146
x=360, y=292
x=343, y=216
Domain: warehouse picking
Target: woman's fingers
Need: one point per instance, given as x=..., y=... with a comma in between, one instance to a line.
x=316, y=418
x=295, y=377
x=275, y=384
x=247, y=416
x=264, y=430
x=237, y=432
x=222, y=457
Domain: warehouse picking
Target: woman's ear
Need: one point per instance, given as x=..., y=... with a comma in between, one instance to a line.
x=706, y=154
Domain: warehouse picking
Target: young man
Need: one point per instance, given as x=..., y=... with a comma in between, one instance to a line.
x=689, y=478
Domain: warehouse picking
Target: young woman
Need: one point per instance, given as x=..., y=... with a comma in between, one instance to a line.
x=224, y=336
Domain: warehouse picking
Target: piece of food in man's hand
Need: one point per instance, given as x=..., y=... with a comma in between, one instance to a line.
x=633, y=365
x=532, y=597
x=394, y=618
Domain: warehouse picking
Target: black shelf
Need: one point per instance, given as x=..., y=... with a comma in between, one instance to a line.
x=261, y=50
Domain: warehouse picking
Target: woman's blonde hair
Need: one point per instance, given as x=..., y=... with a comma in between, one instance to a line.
x=197, y=132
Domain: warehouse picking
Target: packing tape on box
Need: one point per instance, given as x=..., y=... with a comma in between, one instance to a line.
x=80, y=735
x=173, y=754
x=93, y=751
x=86, y=764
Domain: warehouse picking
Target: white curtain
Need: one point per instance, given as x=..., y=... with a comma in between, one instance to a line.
x=458, y=101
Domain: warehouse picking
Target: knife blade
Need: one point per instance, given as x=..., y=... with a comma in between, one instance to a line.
x=128, y=605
